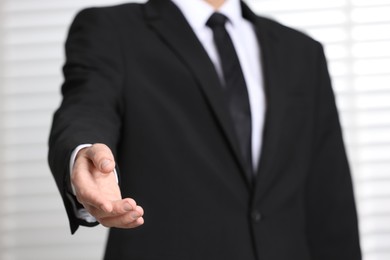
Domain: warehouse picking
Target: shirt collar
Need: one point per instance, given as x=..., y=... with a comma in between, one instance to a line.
x=197, y=12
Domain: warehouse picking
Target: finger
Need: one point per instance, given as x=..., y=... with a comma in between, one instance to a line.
x=127, y=220
x=117, y=208
x=102, y=157
x=94, y=202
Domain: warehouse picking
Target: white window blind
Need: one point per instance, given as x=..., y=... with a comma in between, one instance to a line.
x=356, y=35
x=33, y=224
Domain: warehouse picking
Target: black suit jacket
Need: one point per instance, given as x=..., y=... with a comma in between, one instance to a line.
x=138, y=80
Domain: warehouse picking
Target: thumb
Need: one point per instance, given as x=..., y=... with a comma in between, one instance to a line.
x=102, y=157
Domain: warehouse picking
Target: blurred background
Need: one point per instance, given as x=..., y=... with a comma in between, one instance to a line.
x=33, y=225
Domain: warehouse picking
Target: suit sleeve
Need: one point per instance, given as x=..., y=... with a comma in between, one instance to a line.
x=90, y=111
x=331, y=214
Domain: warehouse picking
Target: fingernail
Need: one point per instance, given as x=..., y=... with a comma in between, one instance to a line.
x=105, y=163
x=135, y=215
x=127, y=207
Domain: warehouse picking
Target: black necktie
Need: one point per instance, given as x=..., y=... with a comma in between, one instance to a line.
x=234, y=85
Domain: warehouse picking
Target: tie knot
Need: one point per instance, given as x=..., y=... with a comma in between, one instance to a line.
x=216, y=20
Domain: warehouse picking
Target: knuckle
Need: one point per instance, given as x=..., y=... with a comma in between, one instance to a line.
x=132, y=202
x=136, y=223
x=81, y=154
x=140, y=221
x=140, y=210
x=114, y=212
x=103, y=207
x=98, y=152
x=98, y=148
x=126, y=220
x=122, y=221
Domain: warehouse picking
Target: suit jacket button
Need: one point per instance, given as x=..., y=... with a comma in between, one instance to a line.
x=256, y=216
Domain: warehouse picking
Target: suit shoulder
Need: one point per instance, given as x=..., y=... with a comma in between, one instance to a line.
x=113, y=12
x=286, y=33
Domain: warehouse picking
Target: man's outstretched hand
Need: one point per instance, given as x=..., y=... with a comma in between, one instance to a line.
x=98, y=191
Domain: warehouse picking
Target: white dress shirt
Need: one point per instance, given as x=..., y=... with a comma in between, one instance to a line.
x=243, y=35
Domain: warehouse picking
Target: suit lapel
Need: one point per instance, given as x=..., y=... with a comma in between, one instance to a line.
x=274, y=75
x=171, y=26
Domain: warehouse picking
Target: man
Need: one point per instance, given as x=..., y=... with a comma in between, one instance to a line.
x=221, y=124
